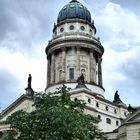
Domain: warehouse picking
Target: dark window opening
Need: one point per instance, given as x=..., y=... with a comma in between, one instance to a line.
x=82, y=28
x=108, y=121
x=97, y=104
x=71, y=27
x=115, y=111
x=106, y=108
x=125, y=114
x=62, y=29
x=90, y=30
x=117, y=123
x=71, y=73
x=99, y=117
x=89, y=100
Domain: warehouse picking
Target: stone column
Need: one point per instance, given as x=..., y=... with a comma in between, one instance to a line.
x=64, y=64
x=100, y=71
x=48, y=71
x=78, y=62
x=52, y=68
x=91, y=67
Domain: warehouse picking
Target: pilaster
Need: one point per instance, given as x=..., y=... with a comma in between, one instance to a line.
x=64, y=64
x=52, y=68
x=78, y=61
x=48, y=71
x=100, y=71
x=92, y=73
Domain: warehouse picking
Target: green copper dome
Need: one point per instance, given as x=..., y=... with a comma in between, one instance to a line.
x=74, y=10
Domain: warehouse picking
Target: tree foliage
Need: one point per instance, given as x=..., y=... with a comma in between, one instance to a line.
x=56, y=117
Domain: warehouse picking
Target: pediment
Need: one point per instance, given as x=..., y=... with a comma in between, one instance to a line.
x=134, y=117
x=24, y=102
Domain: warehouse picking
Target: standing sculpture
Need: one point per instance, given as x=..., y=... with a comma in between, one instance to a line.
x=117, y=98
x=29, y=90
x=81, y=81
x=29, y=81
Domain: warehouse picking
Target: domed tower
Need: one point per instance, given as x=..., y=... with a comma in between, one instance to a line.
x=74, y=50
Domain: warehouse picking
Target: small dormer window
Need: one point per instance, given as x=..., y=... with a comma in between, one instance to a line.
x=61, y=29
x=82, y=28
x=97, y=104
x=90, y=31
x=106, y=108
x=71, y=5
x=89, y=100
x=71, y=27
x=125, y=114
x=80, y=6
x=64, y=7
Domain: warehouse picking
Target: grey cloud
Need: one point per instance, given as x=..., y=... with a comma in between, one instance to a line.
x=131, y=69
x=25, y=23
x=129, y=85
x=129, y=4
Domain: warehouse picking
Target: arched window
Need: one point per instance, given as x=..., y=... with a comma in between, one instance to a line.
x=99, y=117
x=89, y=100
x=106, y=108
x=97, y=104
x=115, y=111
x=61, y=29
x=108, y=120
x=117, y=123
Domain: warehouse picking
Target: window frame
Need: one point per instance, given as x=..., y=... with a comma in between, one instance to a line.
x=71, y=74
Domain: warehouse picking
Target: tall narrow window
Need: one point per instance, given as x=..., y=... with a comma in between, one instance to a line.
x=97, y=104
x=99, y=117
x=71, y=73
x=117, y=123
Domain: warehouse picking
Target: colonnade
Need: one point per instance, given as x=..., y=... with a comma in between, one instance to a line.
x=95, y=67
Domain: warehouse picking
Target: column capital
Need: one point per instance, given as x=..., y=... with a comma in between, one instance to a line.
x=63, y=48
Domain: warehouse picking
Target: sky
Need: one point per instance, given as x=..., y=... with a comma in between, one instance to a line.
x=26, y=27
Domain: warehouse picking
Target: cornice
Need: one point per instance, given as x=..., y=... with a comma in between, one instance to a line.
x=62, y=41
x=14, y=104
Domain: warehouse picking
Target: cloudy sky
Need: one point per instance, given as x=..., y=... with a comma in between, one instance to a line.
x=26, y=26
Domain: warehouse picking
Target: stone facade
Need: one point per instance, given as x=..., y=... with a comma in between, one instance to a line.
x=129, y=129
x=73, y=51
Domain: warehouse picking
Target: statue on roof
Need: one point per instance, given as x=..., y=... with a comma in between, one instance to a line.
x=29, y=81
x=81, y=81
x=117, y=98
x=29, y=90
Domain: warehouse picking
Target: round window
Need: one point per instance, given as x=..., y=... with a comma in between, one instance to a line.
x=71, y=27
x=82, y=28
x=61, y=29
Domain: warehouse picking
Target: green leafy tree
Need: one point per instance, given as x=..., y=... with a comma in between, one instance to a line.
x=56, y=117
